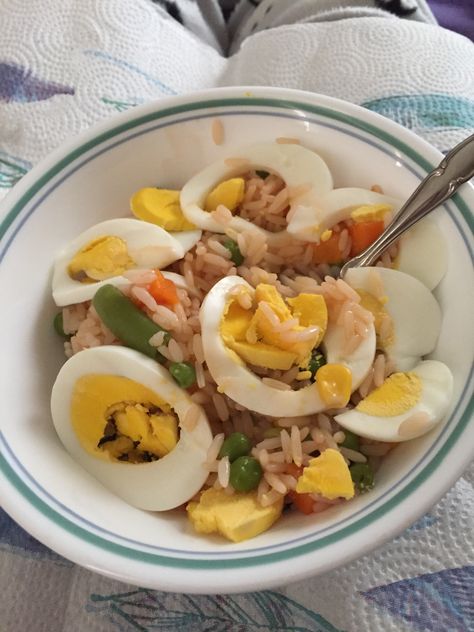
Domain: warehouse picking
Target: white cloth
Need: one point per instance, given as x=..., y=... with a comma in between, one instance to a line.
x=64, y=66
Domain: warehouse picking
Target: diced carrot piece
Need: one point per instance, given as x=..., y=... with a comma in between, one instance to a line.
x=303, y=502
x=327, y=251
x=294, y=470
x=163, y=290
x=363, y=234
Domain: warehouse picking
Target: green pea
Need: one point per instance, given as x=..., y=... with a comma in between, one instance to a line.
x=235, y=254
x=237, y=444
x=126, y=321
x=59, y=325
x=183, y=373
x=351, y=440
x=245, y=473
x=262, y=174
x=316, y=362
x=363, y=476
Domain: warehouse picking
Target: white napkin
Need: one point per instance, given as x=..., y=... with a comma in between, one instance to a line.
x=64, y=66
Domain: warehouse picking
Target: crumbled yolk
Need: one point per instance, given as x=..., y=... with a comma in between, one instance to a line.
x=326, y=235
x=116, y=418
x=100, y=259
x=334, y=383
x=398, y=394
x=377, y=308
x=160, y=207
x=229, y=193
x=370, y=212
x=237, y=517
x=251, y=333
x=327, y=475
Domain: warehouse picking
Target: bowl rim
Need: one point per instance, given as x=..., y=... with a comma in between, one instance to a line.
x=24, y=505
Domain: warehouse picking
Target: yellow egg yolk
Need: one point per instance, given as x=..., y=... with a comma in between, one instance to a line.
x=334, y=384
x=327, y=475
x=116, y=418
x=398, y=394
x=237, y=517
x=252, y=335
x=370, y=212
x=383, y=323
x=160, y=207
x=100, y=259
x=229, y=193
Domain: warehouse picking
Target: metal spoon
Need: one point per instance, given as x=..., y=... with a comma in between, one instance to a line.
x=456, y=168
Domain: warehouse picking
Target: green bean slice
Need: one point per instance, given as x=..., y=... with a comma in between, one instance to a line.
x=126, y=321
x=183, y=373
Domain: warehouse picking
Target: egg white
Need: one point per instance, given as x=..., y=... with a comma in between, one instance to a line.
x=415, y=313
x=295, y=164
x=187, y=238
x=359, y=362
x=159, y=485
x=247, y=389
x=437, y=390
x=423, y=253
x=148, y=245
x=310, y=221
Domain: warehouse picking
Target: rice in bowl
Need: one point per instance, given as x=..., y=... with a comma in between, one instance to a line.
x=307, y=459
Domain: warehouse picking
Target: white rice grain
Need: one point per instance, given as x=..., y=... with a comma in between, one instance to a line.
x=353, y=455
x=296, y=450
x=214, y=448
x=157, y=339
x=221, y=407
x=191, y=418
x=223, y=471
x=175, y=352
x=276, y=384
x=200, y=378
x=275, y=482
x=270, y=498
x=286, y=445
x=217, y=131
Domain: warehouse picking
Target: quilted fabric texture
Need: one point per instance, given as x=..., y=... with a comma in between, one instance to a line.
x=65, y=66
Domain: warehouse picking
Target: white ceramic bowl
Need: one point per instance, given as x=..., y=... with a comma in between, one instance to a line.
x=91, y=179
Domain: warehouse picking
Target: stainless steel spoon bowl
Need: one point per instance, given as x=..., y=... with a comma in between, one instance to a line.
x=456, y=168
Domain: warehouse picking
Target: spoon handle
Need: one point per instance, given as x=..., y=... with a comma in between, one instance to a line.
x=456, y=168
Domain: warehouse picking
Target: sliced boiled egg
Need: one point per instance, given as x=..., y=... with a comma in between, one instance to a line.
x=187, y=238
x=310, y=222
x=405, y=406
x=407, y=316
x=358, y=361
x=120, y=416
x=102, y=253
x=300, y=168
x=229, y=344
x=423, y=253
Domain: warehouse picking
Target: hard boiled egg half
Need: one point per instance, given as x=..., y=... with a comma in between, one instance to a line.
x=422, y=249
x=300, y=168
x=102, y=253
x=120, y=416
x=311, y=221
x=423, y=253
x=230, y=346
x=407, y=316
x=405, y=406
